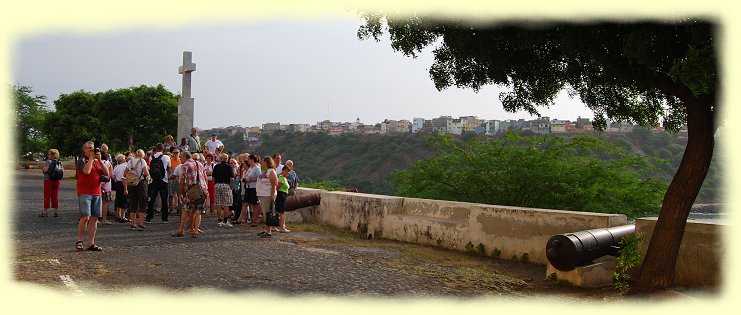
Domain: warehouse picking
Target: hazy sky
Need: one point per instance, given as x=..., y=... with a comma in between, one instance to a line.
x=283, y=70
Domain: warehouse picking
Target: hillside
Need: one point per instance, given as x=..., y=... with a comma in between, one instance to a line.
x=366, y=162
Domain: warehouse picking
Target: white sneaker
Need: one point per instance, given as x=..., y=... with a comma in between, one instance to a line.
x=220, y=224
x=227, y=224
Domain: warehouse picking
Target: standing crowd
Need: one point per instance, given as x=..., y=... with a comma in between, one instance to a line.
x=186, y=179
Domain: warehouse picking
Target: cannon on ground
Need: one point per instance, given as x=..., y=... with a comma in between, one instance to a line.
x=567, y=251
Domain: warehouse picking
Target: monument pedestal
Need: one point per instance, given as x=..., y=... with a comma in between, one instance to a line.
x=596, y=275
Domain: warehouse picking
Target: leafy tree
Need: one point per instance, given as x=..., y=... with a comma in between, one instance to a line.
x=146, y=114
x=580, y=174
x=329, y=185
x=30, y=112
x=641, y=72
x=73, y=122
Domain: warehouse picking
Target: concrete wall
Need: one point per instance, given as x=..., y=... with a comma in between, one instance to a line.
x=700, y=256
x=514, y=231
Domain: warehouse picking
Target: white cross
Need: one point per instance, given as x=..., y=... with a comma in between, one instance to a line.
x=187, y=67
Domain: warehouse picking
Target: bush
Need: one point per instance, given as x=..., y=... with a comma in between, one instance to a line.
x=581, y=174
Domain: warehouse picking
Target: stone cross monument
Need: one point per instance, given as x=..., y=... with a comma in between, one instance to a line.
x=185, y=103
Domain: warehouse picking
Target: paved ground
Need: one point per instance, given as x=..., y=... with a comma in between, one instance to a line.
x=236, y=260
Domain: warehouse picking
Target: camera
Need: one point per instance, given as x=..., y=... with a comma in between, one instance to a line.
x=97, y=150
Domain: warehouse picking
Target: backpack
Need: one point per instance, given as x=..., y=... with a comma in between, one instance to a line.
x=56, y=171
x=157, y=168
x=131, y=178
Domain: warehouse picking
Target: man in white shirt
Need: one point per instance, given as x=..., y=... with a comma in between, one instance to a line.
x=159, y=183
x=213, y=143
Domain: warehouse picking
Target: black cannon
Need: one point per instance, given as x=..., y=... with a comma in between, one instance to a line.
x=566, y=251
x=303, y=200
x=299, y=201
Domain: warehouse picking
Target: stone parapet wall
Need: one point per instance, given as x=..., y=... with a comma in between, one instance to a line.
x=701, y=253
x=513, y=231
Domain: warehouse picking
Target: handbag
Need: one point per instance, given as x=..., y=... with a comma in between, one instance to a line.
x=131, y=178
x=195, y=194
x=272, y=218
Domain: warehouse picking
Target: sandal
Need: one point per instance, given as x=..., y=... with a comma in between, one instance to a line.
x=177, y=234
x=95, y=248
x=78, y=246
x=56, y=214
x=43, y=215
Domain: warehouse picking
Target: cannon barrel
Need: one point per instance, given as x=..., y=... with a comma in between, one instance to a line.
x=303, y=200
x=566, y=251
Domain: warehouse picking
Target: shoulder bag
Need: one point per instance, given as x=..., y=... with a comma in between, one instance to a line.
x=195, y=194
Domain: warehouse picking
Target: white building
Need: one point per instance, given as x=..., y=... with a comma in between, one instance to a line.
x=455, y=126
x=417, y=124
x=354, y=126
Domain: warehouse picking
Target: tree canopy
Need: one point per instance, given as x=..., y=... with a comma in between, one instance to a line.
x=644, y=72
x=147, y=114
x=30, y=111
x=622, y=71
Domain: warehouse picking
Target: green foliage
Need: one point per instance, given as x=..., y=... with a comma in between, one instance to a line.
x=470, y=248
x=668, y=149
x=481, y=250
x=642, y=72
x=630, y=256
x=476, y=250
x=558, y=282
x=329, y=185
x=361, y=161
x=581, y=174
x=622, y=71
x=234, y=143
x=30, y=112
x=147, y=114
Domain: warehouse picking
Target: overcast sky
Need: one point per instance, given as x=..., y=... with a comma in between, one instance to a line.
x=253, y=70
x=257, y=71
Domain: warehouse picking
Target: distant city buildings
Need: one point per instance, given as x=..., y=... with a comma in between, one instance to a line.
x=440, y=125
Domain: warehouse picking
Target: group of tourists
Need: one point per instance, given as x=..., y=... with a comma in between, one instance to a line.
x=189, y=179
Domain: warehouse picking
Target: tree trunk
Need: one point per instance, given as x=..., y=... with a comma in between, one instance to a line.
x=658, y=268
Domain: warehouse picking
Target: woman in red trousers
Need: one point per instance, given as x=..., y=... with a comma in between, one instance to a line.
x=51, y=186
